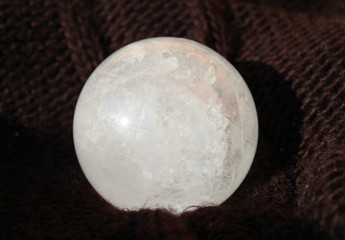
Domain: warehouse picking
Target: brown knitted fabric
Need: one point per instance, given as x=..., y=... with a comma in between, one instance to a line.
x=292, y=56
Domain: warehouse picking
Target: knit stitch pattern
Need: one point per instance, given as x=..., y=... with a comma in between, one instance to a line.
x=290, y=53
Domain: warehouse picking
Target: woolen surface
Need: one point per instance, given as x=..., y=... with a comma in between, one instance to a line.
x=292, y=56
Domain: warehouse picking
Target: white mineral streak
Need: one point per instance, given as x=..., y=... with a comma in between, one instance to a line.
x=165, y=123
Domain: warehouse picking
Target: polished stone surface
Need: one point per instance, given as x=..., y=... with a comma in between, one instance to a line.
x=165, y=122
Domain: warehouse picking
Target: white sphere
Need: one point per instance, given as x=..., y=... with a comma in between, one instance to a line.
x=165, y=123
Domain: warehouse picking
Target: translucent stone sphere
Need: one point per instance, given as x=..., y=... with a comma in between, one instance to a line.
x=165, y=123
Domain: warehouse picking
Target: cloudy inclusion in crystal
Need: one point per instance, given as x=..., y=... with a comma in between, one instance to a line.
x=165, y=123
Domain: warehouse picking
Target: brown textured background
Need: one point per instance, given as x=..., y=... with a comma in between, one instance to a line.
x=292, y=56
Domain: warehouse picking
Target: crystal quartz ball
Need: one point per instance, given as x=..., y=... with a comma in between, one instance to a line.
x=165, y=123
